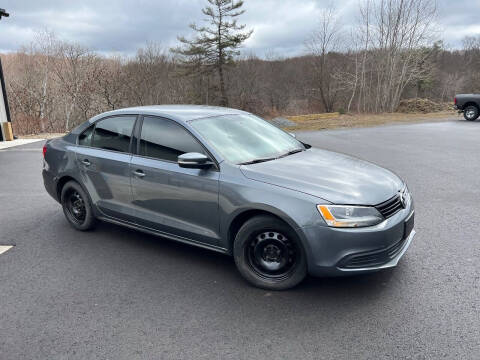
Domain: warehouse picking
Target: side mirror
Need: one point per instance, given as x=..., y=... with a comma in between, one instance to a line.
x=194, y=160
x=293, y=135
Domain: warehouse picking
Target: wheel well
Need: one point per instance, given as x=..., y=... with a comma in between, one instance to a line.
x=470, y=103
x=61, y=183
x=241, y=219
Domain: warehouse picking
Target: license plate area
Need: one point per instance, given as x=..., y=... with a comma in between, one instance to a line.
x=408, y=225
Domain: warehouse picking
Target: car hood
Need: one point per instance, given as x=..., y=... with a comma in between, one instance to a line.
x=337, y=178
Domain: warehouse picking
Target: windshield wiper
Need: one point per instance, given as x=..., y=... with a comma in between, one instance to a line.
x=291, y=152
x=257, y=161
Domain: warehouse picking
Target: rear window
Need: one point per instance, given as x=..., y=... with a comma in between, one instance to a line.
x=85, y=138
x=114, y=133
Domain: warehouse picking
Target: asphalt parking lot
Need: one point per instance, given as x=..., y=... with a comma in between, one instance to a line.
x=118, y=294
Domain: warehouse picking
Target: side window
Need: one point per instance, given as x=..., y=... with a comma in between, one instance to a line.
x=166, y=140
x=85, y=138
x=114, y=133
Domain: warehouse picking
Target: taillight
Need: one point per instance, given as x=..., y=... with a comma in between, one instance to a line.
x=44, y=150
x=455, y=100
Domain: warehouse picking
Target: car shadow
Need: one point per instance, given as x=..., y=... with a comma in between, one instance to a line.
x=465, y=122
x=163, y=246
x=359, y=283
x=209, y=263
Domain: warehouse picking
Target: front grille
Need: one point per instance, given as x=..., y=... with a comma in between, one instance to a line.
x=390, y=207
x=372, y=258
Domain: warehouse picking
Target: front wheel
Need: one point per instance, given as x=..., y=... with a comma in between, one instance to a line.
x=471, y=113
x=76, y=206
x=269, y=254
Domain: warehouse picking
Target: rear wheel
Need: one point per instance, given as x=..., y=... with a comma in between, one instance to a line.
x=77, y=207
x=471, y=113
x=269, y=254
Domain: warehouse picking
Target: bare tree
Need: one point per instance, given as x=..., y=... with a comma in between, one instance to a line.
x=34, y=93
x=321, y=44
x=396, y=30
x=75, y=72
x=44, y=47
x=111, y=82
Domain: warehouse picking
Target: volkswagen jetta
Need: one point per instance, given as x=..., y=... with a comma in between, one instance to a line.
x=226, y=180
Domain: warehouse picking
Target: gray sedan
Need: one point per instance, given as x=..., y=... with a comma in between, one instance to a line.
x=226, y=180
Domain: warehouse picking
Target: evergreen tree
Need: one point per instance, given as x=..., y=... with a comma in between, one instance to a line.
x=215, y=44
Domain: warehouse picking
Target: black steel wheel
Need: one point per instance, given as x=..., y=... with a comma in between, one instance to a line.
x=76, y=206
x=269, y=254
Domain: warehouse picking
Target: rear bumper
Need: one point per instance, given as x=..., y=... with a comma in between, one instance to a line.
x=337, y=252
x=50, y=184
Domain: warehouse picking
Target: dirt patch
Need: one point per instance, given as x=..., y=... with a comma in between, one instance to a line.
x=367, y=120
x=313, y=117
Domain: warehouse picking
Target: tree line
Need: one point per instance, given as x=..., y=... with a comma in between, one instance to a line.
x=392, y=53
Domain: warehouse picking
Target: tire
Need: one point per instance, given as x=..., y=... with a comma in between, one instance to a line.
x=77, y=206
x=471, y=113
x=269, y=254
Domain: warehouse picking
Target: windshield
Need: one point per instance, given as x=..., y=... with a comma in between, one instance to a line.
x=244, y=138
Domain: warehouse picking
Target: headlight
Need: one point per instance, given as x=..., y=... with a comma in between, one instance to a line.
x=345, y=216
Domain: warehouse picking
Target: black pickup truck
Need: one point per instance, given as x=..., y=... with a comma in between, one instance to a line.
x=469, y=104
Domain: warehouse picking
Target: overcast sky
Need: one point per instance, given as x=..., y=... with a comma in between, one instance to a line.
x=115, y=26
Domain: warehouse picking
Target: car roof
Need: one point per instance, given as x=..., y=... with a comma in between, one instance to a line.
x=181, y=113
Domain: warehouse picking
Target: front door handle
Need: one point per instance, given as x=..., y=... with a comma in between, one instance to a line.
x=86, y=162
x=138, y=173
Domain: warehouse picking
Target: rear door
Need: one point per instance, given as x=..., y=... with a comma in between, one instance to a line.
x=166, y=197
x=103, y=156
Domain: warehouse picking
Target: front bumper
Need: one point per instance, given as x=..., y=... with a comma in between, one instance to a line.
x=390, y=263
x=334, y=251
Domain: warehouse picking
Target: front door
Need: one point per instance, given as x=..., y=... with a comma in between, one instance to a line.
x=166, y=197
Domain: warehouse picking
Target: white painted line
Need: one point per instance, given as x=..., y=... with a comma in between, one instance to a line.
x=5, y=248
x=17, y=142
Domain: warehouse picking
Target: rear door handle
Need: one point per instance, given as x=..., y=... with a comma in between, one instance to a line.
x=86, y=162
x=138, y=173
